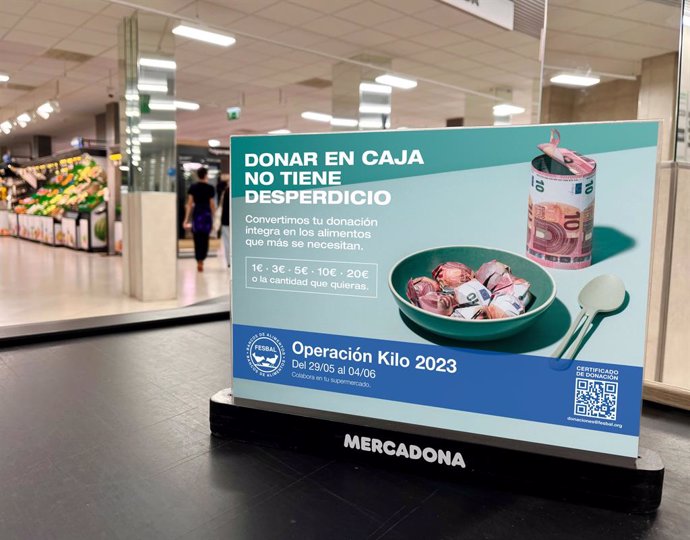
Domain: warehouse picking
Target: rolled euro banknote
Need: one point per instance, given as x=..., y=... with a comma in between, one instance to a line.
x=418, y=287
x=452, y=274
x=491, y=272
x=472, y=293
x=469, y=313
x=504, y=306
x=438, y=303
x=560, y=218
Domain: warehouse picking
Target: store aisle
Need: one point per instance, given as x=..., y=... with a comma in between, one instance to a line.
x=107, y=437
x=41, y=283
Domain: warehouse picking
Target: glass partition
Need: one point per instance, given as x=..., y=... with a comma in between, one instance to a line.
x=180, y=99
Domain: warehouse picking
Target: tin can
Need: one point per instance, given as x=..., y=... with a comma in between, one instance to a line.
x=560, y=221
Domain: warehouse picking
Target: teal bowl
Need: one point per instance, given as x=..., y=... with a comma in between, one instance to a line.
x=543, y=288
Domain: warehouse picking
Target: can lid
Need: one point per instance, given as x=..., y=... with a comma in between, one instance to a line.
x=576, y=164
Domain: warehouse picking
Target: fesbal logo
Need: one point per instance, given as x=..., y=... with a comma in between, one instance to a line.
x=265, y=354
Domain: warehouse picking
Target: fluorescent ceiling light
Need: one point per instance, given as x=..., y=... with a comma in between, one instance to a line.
x=23, y=118
x=344, y=122
x=571, y=79
x=279, y=132
x=4, y=77
x=124, y=168
x=506, y=109
x=192, y=32
x=374, y=108
x=158, y=125
x=6, y=127
x=213, y=143
x=187, y=105
x=373, y=88
x=145, y=138
x=371, y=123
x=162, y=105
x=44, y=110
x=157, y=63
x=153, y=86
x=316, y=117
x=397, y=82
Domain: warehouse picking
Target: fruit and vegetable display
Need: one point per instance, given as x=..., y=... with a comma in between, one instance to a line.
x=81, y=188
x=455, y=290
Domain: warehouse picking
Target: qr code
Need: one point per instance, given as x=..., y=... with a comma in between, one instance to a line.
x=596, y=399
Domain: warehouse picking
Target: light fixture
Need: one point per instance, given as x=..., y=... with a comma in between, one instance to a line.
x=373, y=88
x=374, y=108
x=344, y=122
x=506, y=109
x=150, y=86
x=316, y=116
x=23, y=118
x=6, y=127
x=279, y=132
x=397, y=82
x=157, y=63
x=132, y=96
x=573, y=79
x=192, y=32
x=158, y=125
x=213, y=143
x=371, y=123
x=124, y=168
x=162, y=105
x=46, y=109
x=4, y=77
x=186, y=105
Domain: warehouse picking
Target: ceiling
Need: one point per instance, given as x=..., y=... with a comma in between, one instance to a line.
x=282, y=43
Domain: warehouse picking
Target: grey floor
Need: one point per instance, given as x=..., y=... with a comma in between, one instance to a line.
x=107, y=437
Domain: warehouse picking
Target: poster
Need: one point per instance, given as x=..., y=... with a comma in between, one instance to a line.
x=329, y=229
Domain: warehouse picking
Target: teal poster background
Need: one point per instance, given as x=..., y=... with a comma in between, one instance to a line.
x=472, y=189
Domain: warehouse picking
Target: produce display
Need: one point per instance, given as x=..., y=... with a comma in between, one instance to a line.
x=81, y=188
x=455, y=290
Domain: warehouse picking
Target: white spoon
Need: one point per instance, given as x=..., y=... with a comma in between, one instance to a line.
x=603, y=294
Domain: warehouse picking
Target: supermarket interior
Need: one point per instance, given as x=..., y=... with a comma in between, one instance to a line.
x=70, y=138
x=117, y=123
x=80, y=131
x=108, y=108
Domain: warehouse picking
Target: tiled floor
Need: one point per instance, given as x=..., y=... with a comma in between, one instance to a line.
x=107, y=437
x=41, y=283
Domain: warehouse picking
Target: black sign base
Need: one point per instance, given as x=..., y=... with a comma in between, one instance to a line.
x=635, y=489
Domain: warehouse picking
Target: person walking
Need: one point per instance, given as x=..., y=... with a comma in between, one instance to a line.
x=225, y=221
x=199, y=215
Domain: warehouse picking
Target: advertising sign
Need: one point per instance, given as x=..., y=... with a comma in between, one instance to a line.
x=487, y=281
x=499, y=12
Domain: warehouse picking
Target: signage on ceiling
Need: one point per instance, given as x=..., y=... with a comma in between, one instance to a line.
x=499, y=12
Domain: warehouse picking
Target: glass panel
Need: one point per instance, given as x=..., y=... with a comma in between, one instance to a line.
x=612, y=60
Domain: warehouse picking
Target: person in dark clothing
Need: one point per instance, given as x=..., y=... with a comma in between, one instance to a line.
x=199, y=215
x=225, y=222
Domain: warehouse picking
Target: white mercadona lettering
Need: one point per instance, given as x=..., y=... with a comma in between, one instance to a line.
x=412, y=451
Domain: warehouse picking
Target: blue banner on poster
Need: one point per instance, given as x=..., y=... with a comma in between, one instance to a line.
x=603, y=397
